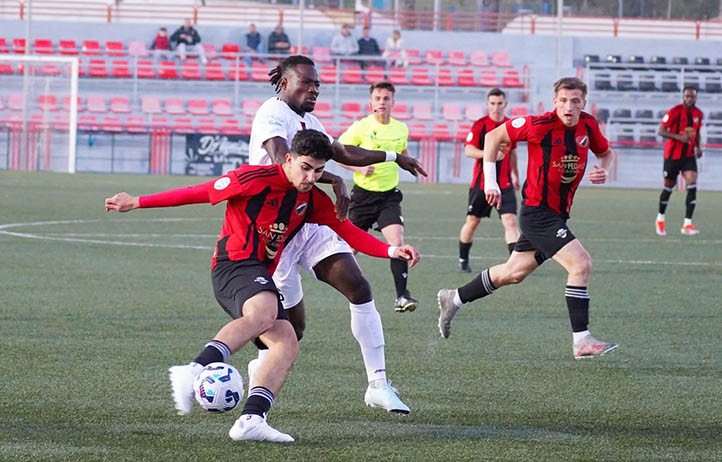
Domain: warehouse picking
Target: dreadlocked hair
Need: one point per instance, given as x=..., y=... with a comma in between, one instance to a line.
x=289, y=63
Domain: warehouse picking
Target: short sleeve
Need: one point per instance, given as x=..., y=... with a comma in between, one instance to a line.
x=519, y=128
x=598, y=143
x=224, y=187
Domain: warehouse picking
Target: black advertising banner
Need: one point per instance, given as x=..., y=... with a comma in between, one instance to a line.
x=214, y=155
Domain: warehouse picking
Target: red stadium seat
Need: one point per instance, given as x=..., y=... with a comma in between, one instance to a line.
x=119, y=105
x=466, y=78
x=6, y=69
x=511, y=79
x=249, y=107
x=183, y=125
x=375, y=74
x=114, y=48
x=135, y=125
x=422, y=111
x=68, y=47
x=47, y=103
x=65, y=104
x=230, y=51
x=452, y=112
x=174, y=106
x=418, y=131
x=351, y=110
x=444, y=78
x=96, y=104
x=222, y=107
x=112, y=124
x=457, y=58
x=321, y=55
x=259, y=72
x=352, y=74
x=401, y=112
x=144, y=69
x=4, y=45
x=420, y=76
x=48, y=69
x=462, y=130
x=198, y=107
x=120, y=69
x=440, y=132
x=159, y=123
x=413, y=57
x=479, y=59
x=474, y=111
x=150, y=105
x=214, y=71
x=328, y=74
x=397, y=76
x=232, y=127
x=97, y=68
x=19, y=46
x=91, y=48
x=210, y=51
x=191, y=70
x=43, y=46
x=519, y=111
x=61, y=122
x=323, y=110
x=501, y=59
x=434, y=57
x=238, y=71
x=207, y=126
x=488, y=78
x=137, y=49
x=167, y=70
x=88, y=122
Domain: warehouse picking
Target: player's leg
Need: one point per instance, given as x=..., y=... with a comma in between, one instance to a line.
x=268, y=381
x=576, y=261
x=670, y=179
x=181, y=51
x=690, y=179
x=507, y=214
x=476, y=209
x=519, y=265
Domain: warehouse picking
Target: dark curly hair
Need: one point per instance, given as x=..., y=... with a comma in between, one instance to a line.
x=289, y=63
x=312, y=143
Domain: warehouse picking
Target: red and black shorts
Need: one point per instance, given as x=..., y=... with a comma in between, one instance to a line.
x=371, y=207
x=543, y=231
x=673, y=167
x=478, y=206
x=234, y=282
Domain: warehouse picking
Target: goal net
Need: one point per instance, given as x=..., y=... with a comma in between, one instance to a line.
x=38, y=112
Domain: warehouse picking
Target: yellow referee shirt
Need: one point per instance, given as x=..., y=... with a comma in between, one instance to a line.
x=368, y=133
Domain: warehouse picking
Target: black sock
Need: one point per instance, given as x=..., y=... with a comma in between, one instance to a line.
x=259, y=401
x=215, y=351
x=464, y=248
x=691, y=201
x=510, y=246
x=400, y=271
x=578, y=305
x=479, y=287
x=664, y=199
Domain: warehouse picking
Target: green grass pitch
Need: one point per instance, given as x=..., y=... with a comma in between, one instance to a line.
x=95, y=307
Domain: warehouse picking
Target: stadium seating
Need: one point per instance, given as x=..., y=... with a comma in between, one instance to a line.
x=145, y=69
x=488, y=78
x=457, y=58
x=352, y=74
x=167, y=70
x=452, y=112
x=230, y=51
x=422, y=111
x=434, y=57
x=259, y=72
x=328, y=73
x=174, y=106
x=43, y=46
x=323, y=110
x=150, y=105
x=321, y=55
x=4, y=45
x=479, y=59
x=97, y=68
x=214, y=71
x=119, y=105
x=91, y=48
x=466, y=78
x=397, y=76
x=114, y=48
x=401, y=112
x=374, y=74
x=250, y=106
x=120, y=69
x=444, y=78
x=137, y=49
x=221, y=107
x=191, y=70
x=351, y=110
x=198, y=107
x=420, y=76
x=19, y=46
x=46, y=103
x=474, y=111
x=96, y=104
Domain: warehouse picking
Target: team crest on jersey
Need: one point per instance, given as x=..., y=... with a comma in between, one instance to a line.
x=518, y=122
x=301, y=208
x=583, y=141
x=469, y=137
x=695, y=120
x=665, y=118
x=221, y=183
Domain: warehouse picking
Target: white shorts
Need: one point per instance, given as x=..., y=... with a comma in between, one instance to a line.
x=309, y=246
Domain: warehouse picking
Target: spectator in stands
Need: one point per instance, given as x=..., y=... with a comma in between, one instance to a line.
x=187, y=39
x=368, y=46
x=278, y=42
x=253, y=43
x=343, y=43
x=161, y=45
x=680, y=126
x=395, y=53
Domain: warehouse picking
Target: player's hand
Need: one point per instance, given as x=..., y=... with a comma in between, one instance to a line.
x=367, y=170
x=515, y=183
x=121, y=202
x=493, y=197
x=698, y=153
x=343, y=199
x=410, y=164
x=597, y=175
x=408, y=253
x=683, y=138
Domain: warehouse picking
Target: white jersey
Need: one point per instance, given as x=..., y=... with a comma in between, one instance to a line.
x=273, y=119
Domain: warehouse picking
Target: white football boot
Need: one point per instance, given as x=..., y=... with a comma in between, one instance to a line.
x=380, y=394
x=181, y=383
x=252, y=427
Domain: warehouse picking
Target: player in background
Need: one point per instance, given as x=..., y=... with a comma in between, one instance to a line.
x=375, y=197
x=559, y=143
x=681, y=126
x=317, y=249
x=265, y=207
x=507, y=179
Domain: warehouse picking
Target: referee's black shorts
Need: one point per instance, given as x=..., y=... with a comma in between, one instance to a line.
x=542, y=230
x=369, y=207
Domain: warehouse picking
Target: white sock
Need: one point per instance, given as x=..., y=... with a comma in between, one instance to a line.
x=262, y=354
x=687, y=222
x=369, y=333
x=578, y=336
x=457, y=301
x=660, y=217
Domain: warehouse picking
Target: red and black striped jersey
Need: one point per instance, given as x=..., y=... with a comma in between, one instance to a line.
x=557, y=157
x=475, y=138
x=679, y=120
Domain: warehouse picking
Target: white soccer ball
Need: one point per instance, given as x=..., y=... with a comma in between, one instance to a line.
x=219, y=387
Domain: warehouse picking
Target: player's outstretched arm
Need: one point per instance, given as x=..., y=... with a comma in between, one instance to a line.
x=122, y=202
x=357, y=156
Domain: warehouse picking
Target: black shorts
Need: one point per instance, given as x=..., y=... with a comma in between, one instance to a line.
x=381, y=208
x=542, y=230
x=234, y=282
x=478, y=206
x=673, y=167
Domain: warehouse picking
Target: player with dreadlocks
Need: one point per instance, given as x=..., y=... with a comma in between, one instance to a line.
x=317, y=249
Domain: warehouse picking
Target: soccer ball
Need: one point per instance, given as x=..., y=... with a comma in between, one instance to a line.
x=218, y=388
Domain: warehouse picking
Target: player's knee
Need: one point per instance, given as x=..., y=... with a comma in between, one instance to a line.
x=582, y=268
x=359, y=291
